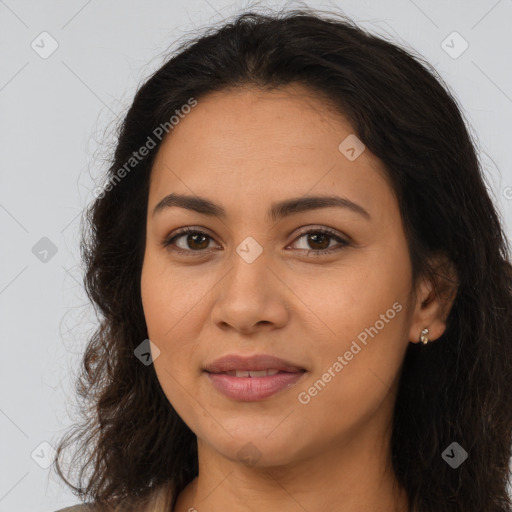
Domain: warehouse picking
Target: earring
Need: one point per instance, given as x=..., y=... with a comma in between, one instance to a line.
x=423, y=336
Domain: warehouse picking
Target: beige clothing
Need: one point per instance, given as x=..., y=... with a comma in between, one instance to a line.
x=77, y=508
x=158, y=501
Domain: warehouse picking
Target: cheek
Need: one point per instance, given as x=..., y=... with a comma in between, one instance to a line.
x=360, y=338
x=170, y=310
x=170, y=299
x=355, y=375
x=173, y=363
x=345, y=301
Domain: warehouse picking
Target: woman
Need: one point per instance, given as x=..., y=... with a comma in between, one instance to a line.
x=304, y=286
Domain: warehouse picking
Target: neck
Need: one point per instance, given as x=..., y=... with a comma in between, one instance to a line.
x=353, y=476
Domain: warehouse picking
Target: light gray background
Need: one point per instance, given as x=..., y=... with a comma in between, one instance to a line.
x=54, y=113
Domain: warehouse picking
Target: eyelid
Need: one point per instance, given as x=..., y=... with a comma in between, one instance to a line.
x=314, y=228
x=342, y=240
x=169, y=240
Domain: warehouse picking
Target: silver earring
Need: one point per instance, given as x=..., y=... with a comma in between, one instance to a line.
x=423, y=336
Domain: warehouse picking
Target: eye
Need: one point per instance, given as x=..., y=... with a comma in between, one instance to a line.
x=320, y=241
x=195, y=241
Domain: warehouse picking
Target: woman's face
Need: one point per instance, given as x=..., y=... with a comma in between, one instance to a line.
x=257, y=284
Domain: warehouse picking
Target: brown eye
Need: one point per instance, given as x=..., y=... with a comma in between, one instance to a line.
x=318, y=241
x=192, y=242
x=188, y=241
x=196, y=241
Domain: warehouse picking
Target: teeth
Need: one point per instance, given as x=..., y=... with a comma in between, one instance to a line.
x=261, y=373
x=252, y=373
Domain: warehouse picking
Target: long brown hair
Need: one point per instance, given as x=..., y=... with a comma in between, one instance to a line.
x=457, y=389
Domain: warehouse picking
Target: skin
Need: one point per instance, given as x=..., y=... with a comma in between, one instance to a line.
x=245, y=149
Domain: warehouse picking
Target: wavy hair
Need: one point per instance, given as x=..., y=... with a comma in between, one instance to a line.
x=458, y=389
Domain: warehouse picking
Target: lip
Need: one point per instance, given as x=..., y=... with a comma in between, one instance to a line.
x=249, y=389
x=255, y=362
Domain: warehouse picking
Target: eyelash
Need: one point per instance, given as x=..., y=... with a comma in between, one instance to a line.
x=167, y=242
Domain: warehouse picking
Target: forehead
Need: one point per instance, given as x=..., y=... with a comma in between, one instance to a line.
x=248, y=143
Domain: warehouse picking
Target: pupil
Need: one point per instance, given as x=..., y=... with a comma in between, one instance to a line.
x=197, y=235
x=322, y=236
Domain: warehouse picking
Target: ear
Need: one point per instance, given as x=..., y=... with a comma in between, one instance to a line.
x=435, y=295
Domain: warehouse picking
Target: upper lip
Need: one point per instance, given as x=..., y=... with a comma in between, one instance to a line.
x=256, y=362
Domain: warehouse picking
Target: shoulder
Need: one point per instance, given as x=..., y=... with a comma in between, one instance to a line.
x=157, y=501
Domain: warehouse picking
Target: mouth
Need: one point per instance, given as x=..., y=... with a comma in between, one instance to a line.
x=253, y=373
x=252, y=378
x=255, y=363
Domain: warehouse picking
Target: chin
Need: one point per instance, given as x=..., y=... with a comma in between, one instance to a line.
x=255, y=449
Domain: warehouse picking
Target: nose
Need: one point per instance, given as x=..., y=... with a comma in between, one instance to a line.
x=250, y=297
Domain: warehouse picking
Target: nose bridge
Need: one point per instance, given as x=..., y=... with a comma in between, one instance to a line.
x=249, y=294
x=250, y=264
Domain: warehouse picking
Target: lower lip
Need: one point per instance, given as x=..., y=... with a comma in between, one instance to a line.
x=250, y=389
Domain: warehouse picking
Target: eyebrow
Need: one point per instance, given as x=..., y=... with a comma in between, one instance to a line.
x=276, y=212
